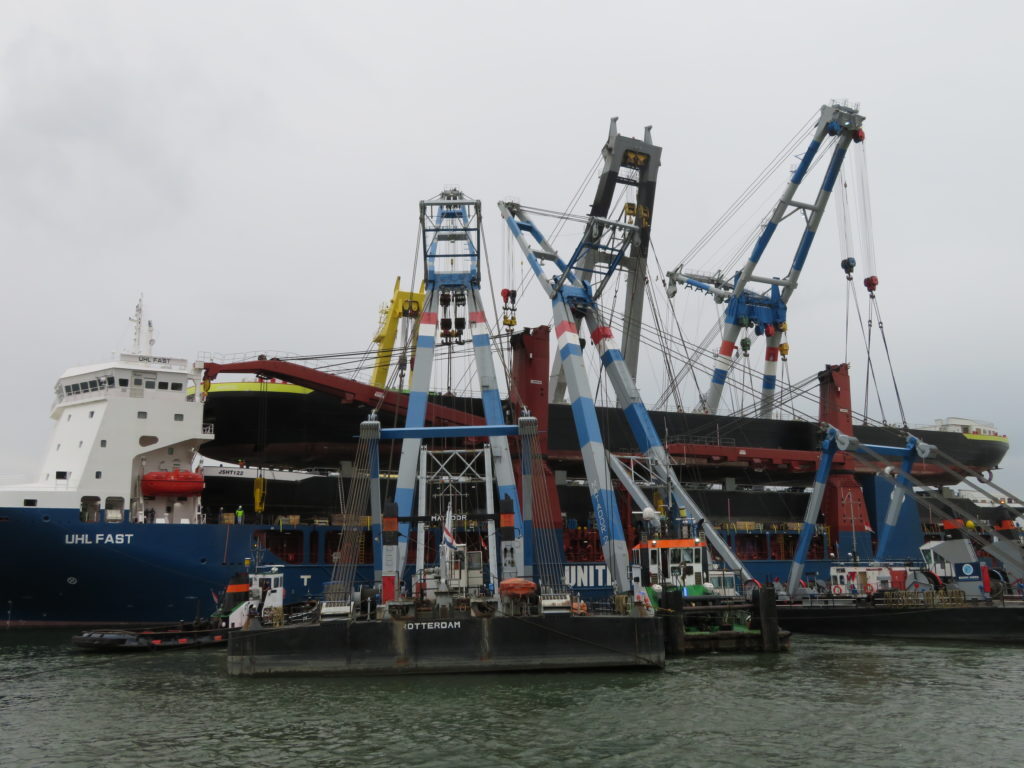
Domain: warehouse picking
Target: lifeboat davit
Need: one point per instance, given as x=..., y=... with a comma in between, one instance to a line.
x=516, y=586
x=177, y=482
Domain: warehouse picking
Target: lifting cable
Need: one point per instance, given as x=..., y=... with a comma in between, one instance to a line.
x=751, y=189
x=892, y=370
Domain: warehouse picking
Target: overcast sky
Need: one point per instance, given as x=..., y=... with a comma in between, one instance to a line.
x=254, y=168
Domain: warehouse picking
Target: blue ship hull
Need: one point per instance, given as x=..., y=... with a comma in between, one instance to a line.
x=59, y=571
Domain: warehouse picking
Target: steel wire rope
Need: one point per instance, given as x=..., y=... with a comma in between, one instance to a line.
x=870, y=364
x=892, y=370
x=746, y=246
x=747, y=193
x=547, y=529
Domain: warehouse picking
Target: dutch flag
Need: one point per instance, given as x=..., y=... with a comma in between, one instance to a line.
x=448, y=538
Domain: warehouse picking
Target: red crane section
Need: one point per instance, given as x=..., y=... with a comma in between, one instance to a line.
x=346, y=390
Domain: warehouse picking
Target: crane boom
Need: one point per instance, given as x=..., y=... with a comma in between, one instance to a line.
x=574, y=301
x=766, y=312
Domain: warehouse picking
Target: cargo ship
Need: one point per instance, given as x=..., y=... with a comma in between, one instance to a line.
x=114, y=530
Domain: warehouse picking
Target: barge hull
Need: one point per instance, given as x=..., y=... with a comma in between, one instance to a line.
x=976, y=623
x=473, y=644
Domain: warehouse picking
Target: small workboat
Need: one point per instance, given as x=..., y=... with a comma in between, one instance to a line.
x=203, y=634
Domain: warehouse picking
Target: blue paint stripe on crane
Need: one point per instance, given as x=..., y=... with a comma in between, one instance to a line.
x=606, y=514
x=417, y=409
x=569, y=350
x=640, y=423
x=424, y=342
x=481, y=340
x=718, y=377
x=586, y=421
x=612, y=355
x=768, y=382
x=762, y=241
x=492, y=406
x=805, y=163
x=833, y=169
x=803, y=249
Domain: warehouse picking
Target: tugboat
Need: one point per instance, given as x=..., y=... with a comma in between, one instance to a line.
x=253, y=599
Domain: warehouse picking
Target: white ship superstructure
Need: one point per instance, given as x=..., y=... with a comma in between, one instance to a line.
x=115, y=422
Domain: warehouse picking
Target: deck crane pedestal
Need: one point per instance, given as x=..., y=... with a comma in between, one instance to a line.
x=766, y=312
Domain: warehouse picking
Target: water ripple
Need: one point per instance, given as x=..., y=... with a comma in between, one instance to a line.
x=827, y=703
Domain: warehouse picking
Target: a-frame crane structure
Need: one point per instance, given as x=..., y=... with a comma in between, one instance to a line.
x=453, y=312
x=766, y=312
x=574, y=289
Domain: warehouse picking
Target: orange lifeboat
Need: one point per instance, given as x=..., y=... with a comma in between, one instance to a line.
x=517, y=586
x=174, y=483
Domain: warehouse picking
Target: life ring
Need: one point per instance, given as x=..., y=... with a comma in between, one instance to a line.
x=837, y=590
x=868, y=589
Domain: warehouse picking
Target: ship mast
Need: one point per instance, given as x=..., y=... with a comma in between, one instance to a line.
x=142, y=331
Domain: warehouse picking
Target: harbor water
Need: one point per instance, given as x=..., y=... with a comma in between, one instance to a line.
x=828, y=702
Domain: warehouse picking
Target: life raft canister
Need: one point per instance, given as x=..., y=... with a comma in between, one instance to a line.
x=517, y=586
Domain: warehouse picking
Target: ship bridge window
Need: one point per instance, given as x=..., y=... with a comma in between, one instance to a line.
x=62, y=475
x=67, y=389
x=122, y=382
x=29, y=502
x=76, y=388
x=150, y=384
x=93, y=385
x=161, y=385
x=110, y=381
x=90, y=512
x=137, y=382
x=176, y=386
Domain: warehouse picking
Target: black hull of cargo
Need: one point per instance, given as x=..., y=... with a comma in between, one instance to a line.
x=991, y=623
x=496, y=644
x=315, y=430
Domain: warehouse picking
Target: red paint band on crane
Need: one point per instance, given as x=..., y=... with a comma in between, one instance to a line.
x=567, y=327
x=727, y=349
x=771, y=354
x=599, y=334
x=477, y=317
x=389, y=523
x=428, y=318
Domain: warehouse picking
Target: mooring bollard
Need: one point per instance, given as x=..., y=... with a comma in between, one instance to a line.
x=769, y=615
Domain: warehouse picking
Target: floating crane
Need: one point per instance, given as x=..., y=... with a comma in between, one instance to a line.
x=766, y=312
x=574, y=300
x=453, y=311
